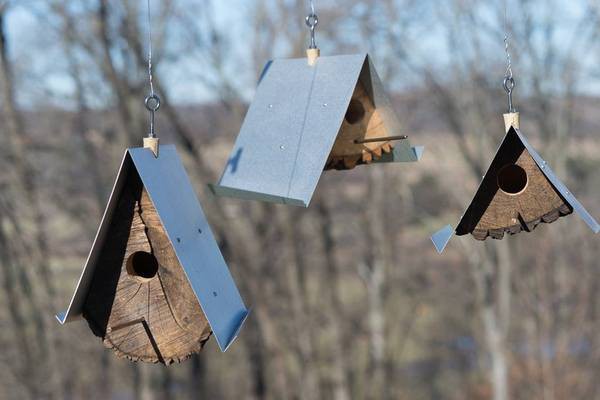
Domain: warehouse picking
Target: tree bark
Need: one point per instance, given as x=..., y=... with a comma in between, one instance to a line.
x=373, y=272
x=42, y=301
x=494, y=303
x=341, y=390
x=308, y=386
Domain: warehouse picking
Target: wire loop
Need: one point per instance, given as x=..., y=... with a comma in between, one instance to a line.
x=509, y=81
x=509, y=84
x=312, y=20
x=152, y=102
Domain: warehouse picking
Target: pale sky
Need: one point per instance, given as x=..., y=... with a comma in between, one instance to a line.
x=23, y=34
x=45, y=78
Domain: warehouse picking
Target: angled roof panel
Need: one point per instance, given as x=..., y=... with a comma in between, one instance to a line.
x=177, y=205
x=298, y=109
x=75, y=308
x=182, y=217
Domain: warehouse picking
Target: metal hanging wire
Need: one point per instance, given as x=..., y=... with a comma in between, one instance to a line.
x=312, y=20
x=152, y=102
x=509, y=80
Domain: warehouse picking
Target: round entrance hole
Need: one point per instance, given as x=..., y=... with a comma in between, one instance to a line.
x=142, y=265
x=512, y=179
x=355, y=113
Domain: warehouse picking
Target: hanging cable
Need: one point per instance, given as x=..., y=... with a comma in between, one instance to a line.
x=152, y=102
x=312, y=20
x=509, y=81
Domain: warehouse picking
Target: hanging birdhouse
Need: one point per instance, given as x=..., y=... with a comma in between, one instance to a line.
x=307, y=117
x=155, y=286
x=518, y=192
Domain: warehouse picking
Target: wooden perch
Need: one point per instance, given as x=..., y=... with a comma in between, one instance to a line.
x=381, y=139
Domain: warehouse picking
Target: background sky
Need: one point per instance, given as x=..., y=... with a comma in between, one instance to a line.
x=428, y=44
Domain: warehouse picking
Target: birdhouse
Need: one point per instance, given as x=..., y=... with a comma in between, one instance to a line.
x=155, y=286
x=328, y=114
x=518, y=192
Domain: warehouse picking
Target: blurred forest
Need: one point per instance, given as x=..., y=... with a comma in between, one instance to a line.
x=349, y=298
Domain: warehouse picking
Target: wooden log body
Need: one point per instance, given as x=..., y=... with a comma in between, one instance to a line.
x=143, y=314
x=362, y=121
x=504, y=206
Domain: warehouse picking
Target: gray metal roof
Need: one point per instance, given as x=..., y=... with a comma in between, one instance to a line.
x=186, y=226
x=292, y=124
x=441, y=238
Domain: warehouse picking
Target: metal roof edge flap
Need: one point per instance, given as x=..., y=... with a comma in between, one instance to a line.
x=236, y=332
x=226, y=191
x=441, y=238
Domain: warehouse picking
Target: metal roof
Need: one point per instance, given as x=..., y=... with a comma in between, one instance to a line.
x=441, y=238
x=186, y=226
x=292, y=124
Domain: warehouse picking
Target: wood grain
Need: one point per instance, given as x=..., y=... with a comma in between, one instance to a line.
x=346, y=154
x=151, y=320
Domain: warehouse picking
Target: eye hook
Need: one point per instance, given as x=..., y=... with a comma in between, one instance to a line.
x=152, y=103
x=312, y=20
x=509, y=84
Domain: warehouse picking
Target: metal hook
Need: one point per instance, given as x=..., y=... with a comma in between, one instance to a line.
x=509, y=84
x=152, y=103
x=312, y=20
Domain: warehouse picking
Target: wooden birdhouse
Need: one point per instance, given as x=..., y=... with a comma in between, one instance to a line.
x=518, y=192
x=155, y=286
x=307, y=117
